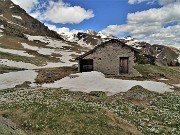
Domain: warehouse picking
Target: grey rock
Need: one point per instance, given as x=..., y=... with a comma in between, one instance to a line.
x=7, y=127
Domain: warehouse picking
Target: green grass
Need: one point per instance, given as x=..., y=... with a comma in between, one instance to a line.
x=5, y=130
x=56, y=111
x=150, y=71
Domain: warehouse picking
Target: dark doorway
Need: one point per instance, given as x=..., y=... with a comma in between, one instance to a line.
x=123, y=65
x=86, y=65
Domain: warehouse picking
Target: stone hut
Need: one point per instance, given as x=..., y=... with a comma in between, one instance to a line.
x=111, y=58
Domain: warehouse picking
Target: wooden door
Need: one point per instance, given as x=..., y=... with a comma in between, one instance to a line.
x=86, y=65
x=123, y=65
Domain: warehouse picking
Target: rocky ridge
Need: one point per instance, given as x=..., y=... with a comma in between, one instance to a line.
x=16, y=22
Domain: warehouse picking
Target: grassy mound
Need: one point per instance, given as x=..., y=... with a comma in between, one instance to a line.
x=154, y=72
x=139, y=93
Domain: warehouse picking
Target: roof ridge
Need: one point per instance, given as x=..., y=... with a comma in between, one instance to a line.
x=97, y=46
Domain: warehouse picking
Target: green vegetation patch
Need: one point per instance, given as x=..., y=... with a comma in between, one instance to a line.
x=55, y=111
x=156, y=72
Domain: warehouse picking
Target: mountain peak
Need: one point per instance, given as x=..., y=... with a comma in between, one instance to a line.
x=91, y=32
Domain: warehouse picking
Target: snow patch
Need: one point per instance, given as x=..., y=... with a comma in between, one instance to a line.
x=58, y=49
x=179, y=58
x=96, y=81
x=13, y=22
x=16, y=52
x=71, y=37
x=2, y=26
x=48, y=40
x=128, y=38
x=101, y=35
x=17, y=64
x=10, y=80
x=43, y=51
x=66, y=57
x=163, y=79
x=83, y=44
x=16, y=16
x=68, y=35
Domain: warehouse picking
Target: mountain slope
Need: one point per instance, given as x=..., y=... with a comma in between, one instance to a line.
x=164, y=54
x=87, y=39
x=16, y=21
x=27, y=43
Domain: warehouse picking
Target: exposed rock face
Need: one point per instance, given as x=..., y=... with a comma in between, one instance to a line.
x=17, y=22
x=91, y=32
x=7, y=127
x=138, y=93
x=89, y=38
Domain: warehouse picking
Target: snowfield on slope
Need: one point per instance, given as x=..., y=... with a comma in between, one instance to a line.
x=24, y=65
x=96, y=81
x=19, y=64
x=16, y=52
x=64, y=55
x=66, y=58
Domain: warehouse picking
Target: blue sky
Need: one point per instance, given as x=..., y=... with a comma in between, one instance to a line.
x=155, y=21
x=107, y=12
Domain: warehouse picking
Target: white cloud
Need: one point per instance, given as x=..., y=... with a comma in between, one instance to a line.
x=26, y=4
x=136, y=1
x=166, y=14
x=166, y=36
x=166, y=2
x=136, y=29
x=61, y=30
x=55, y=11
x=35, y=14
x=60, y=12
x=150, y=25
x=160, y=2
x=58, y=30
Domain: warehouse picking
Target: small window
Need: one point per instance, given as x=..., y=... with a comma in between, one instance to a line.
x=99, y=59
